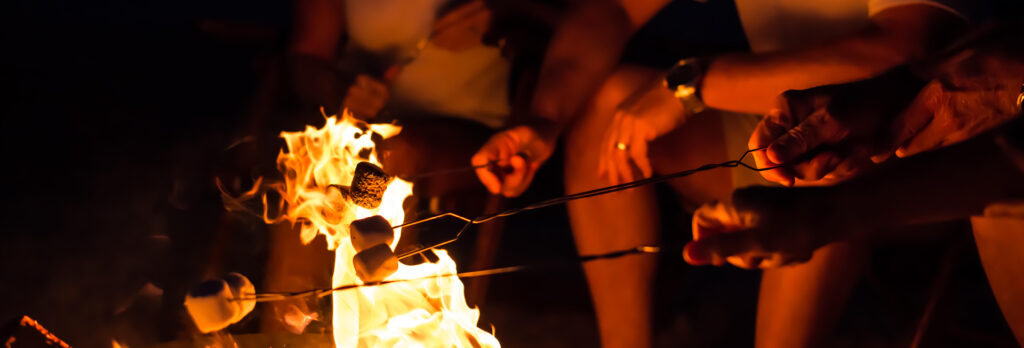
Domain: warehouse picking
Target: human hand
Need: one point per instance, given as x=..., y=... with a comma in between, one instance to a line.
x=976, y=91
x=765, y=227
x=522, y=150
x=829, y=132
x=366, y=97
x=650, y=112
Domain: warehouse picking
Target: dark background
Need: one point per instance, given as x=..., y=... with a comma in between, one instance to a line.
x=115, y=124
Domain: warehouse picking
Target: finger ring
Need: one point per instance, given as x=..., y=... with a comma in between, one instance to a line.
x=621, y=146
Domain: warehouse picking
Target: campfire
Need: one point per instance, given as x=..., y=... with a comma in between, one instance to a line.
x=332, y=179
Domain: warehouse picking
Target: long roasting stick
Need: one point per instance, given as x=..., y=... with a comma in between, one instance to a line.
x=644, y=249
x=281, y=296
x=966, y=41
x=563, y=199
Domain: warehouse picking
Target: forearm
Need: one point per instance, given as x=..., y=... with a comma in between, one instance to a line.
x=583, y=51
x=752, y=82
x=319, y=25
x=949, y=183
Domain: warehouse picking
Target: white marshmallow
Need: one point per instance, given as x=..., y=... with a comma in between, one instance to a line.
x=241, y=288
x=375, y=263
x=214, y=304
x=210, y=306
x=370, y=231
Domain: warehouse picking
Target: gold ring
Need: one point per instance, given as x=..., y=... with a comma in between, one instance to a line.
x=621, y=146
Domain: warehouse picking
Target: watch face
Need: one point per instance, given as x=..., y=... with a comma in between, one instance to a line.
x=681, y=75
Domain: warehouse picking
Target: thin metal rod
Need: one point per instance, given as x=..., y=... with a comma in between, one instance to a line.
x=586, y=194
x=281, y=296
x=450, y=171
x=648, y=249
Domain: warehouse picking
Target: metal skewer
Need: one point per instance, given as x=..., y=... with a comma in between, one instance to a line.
x=644, y=249
x=564, y=199
x=281, y=296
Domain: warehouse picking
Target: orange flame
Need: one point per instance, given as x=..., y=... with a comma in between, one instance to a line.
x=421, y=313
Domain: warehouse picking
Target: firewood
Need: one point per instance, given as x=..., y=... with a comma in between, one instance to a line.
x=24, y=332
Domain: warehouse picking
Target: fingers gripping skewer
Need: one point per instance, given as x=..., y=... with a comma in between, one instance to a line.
x=645, y=249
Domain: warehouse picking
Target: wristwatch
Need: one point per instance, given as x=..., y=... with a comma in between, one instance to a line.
x=685, y=80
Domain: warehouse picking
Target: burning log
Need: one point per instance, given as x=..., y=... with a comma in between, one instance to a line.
x=217, y=303
x=375, y=263
x=24, y=332
x=370, y=231
x=368, y=185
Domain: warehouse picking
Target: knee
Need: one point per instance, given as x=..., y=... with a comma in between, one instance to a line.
x=585, y=135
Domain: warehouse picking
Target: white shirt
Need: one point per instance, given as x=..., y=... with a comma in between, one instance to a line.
x=772, y=25
x=470, y=84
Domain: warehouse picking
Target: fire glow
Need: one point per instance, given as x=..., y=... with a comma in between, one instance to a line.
x=427, y=312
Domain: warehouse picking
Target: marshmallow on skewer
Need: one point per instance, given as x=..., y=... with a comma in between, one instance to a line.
x=375, y=263
x=209, y=304
x=241, y=288
x=368, y=185
x=370, y=231
x=216, y=304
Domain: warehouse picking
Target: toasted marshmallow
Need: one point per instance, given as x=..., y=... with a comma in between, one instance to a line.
x=375, y=263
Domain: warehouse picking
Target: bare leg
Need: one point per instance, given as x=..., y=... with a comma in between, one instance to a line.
x=799, y=305
x=620, y=288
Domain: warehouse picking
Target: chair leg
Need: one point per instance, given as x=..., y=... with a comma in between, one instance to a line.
x=938, y=289
x=485, y=251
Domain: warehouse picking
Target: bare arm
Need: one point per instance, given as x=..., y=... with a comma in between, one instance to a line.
x=949, y=183
x=751, y=83
x=585, y=48
x=319, y=25
x=775, y=226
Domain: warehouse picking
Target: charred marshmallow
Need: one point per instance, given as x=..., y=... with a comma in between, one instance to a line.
x=368, y=185
x=375, y=263
x=370, y=231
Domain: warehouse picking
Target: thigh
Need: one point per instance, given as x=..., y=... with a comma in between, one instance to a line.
x=697, y=142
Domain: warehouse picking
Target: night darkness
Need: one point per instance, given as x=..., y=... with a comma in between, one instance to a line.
x=119, y=116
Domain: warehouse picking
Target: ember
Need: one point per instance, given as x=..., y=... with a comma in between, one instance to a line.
x=26, y=332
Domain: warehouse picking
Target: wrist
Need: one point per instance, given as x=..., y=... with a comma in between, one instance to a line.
x=545, y=129
x=685, y=80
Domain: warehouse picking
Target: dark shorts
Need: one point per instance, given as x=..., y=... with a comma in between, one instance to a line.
x=687, y=28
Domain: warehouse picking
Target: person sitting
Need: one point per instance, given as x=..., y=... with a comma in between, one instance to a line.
x=627, y=126
x=962, y=154
x=420, y=63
